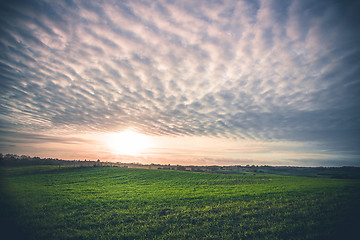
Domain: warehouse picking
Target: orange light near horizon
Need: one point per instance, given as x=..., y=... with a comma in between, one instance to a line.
x=128, y=143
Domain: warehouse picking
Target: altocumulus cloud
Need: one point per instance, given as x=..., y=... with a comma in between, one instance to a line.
x=250, y=70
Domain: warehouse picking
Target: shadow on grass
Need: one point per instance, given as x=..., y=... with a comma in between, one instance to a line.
x=9, y=216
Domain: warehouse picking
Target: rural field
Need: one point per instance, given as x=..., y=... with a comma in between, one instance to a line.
x=43, y=202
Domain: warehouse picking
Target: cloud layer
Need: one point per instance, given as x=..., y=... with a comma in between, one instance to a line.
x=251, y=70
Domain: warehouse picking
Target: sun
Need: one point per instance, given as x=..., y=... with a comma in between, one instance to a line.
x=128, y=142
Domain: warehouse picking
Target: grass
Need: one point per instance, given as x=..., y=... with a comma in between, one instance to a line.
x=116, y=203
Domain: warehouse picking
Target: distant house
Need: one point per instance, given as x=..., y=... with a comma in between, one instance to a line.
x=188, y=169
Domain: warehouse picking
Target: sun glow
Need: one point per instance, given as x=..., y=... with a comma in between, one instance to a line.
x=128, y=143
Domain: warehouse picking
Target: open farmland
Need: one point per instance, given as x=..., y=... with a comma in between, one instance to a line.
x=39, y=202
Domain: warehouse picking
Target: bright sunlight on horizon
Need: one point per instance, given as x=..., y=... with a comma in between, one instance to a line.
x=128, y=142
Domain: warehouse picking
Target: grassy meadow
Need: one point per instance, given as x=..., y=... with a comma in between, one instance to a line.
x=43, y=202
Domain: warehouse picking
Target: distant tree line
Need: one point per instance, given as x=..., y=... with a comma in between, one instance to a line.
x=25, y=160
x=329, y=172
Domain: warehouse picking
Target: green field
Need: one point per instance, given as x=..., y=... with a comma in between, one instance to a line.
x=43, y=202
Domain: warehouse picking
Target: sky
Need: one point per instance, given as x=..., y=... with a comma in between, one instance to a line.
x=203, y=82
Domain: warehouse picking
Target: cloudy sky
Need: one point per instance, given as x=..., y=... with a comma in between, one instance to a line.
x=207, y=82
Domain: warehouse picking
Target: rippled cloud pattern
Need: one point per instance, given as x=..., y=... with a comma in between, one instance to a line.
x=249, y=70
